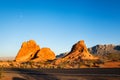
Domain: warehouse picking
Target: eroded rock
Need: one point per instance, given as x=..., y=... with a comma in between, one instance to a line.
x=30, y=51
x=45, y=54
x=78, y=52
x=27, y=51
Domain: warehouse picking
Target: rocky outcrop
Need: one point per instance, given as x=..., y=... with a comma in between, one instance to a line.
x=101, y=50
x=30, y=51
x=45, y=54
x=78, y=52
x=27, y=51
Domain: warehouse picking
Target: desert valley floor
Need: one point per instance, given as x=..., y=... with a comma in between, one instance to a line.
x=61, y=74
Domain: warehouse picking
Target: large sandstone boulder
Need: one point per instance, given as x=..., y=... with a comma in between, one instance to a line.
x=27, y=51
x=45, y=54
x=78, y=52
x=30, y=51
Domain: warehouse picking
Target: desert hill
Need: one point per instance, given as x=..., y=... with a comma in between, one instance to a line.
x=78, y=53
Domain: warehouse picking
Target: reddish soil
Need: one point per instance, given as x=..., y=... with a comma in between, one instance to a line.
x=111, y=65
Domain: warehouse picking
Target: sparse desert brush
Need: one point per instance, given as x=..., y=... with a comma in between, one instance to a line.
x=61, y=65
x=113, y=56
x=92, y=63
x=31, y=64
x=100, y=61
x=89, y=63
x=81, y=64
x=1, y=73
x=69, y=64
x=11, y=65
x=25, y=64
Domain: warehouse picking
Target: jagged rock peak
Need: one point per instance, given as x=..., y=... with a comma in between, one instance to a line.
x=105, y=49
x=80, y=45
x=80, y=51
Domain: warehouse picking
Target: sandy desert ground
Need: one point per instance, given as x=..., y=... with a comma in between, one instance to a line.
x=62, y=74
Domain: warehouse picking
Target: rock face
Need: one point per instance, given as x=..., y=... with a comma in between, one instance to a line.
x=45, y=54
x=31, y=51
x=78, y=52
x=104, y=49
x=27, y=51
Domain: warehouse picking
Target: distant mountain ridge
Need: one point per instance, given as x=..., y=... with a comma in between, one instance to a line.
x=104, y=49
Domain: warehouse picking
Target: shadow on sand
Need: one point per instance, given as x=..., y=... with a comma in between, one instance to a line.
x=29, y=74
x=17, y=78
x=67, y=74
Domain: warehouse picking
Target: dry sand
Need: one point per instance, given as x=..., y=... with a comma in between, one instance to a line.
x=61, y=74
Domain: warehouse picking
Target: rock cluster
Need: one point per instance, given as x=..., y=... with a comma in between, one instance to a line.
x=30, y=51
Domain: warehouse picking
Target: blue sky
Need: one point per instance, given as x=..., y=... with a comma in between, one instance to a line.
x=58, y=24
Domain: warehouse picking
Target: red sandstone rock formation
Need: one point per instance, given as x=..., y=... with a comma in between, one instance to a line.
x=45, y=54
x=27, y=51
x=78, y=52
x=31, y=51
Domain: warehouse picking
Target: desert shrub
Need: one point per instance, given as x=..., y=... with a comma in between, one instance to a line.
x=11, y=65
x=88, y=63
x=113, y=56
x=81, y=64
x=65, y=64
x=1, y=73
x=25, y=64
x=101, y=61
x=92, y=63
x=62, y=65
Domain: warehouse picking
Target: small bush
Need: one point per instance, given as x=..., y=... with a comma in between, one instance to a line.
x=113, y=56
x=1, y=73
